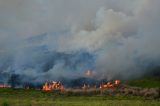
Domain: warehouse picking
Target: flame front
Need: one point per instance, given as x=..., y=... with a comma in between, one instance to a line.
x=110, y=84
x=52, y=85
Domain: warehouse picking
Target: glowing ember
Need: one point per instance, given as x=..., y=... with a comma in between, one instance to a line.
x=52, y=85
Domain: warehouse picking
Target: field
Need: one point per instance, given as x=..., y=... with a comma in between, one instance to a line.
x=146, y=82
x=22, y=97
x=32, y=97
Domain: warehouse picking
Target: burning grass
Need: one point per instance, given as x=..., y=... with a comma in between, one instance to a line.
x=115, y=95
x=52, y=85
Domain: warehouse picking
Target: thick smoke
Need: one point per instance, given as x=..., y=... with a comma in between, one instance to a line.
x=61, y=39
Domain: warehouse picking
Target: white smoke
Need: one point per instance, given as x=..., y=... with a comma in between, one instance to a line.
x=122, y=37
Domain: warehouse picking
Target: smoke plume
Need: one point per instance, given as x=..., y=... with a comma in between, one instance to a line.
x=61, y=39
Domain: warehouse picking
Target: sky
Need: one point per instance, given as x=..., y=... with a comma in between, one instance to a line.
x=53, y=39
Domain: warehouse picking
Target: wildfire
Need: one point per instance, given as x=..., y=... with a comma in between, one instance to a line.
x=110, y=84
x=52, y=85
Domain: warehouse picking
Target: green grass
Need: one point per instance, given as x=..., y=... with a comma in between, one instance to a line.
x=147, y=82
x=31, y=97
x=22, y=97
x=86, y=103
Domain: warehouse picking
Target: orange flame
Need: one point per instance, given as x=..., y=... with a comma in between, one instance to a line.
x=52, y=85
x=110, y=84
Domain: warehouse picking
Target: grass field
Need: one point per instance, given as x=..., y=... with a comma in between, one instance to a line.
x=149, y=82
x=31, y=97
x=22, y=97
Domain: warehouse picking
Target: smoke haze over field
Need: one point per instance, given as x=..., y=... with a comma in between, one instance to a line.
x=54, y=39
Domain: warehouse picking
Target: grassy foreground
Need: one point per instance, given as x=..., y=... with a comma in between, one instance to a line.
x=146, y=82
x=21, y=97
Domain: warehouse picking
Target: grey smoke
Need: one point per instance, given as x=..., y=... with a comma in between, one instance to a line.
x=53, y=39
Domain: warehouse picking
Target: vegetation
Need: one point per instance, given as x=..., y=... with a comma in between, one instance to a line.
x=30, y=97
x=149, y=82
